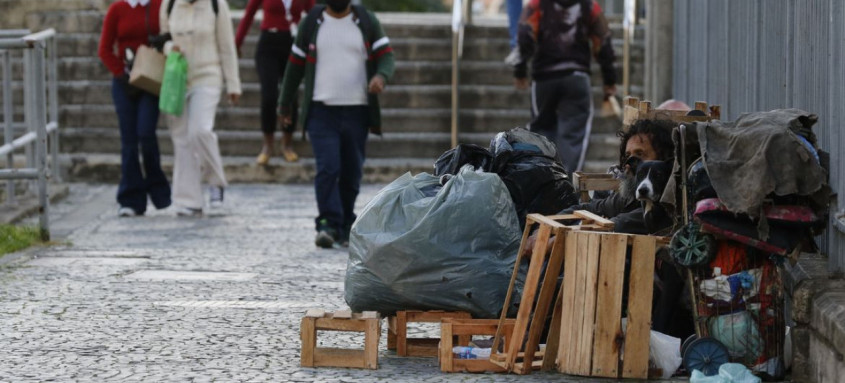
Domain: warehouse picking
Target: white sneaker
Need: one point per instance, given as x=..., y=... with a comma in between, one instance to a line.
x=125, y=211
x=513, y=58
x=182, y=211
x=215, y=199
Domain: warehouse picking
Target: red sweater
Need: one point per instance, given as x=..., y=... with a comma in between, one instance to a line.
x=274, y=16
x=126, y=27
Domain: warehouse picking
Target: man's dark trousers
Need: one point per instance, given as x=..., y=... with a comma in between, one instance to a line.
x=137, y=115
x=338, y=136
x=562, y=110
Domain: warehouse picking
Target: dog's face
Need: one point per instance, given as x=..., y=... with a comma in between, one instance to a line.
x=652, y=177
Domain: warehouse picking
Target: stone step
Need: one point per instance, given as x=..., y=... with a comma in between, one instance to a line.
x=394, y=120
x=394, y=96
x=241, y=143
x=105, y=168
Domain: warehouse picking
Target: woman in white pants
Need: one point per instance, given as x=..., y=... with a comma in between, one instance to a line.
x=202, y=31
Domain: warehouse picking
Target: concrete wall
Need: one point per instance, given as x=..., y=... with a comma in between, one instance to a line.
x=15, y=14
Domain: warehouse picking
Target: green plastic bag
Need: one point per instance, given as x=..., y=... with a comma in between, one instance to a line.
x=173, y=84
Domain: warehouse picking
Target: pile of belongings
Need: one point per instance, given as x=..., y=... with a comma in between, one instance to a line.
x=449, y=241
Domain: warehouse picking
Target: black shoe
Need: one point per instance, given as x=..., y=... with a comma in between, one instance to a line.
x=326, y=236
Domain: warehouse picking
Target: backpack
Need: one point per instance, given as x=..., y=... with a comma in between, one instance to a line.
x=316, y=12
x=214, y=6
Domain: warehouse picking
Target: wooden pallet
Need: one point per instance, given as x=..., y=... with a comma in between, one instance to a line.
x=515, y=357
x=458, y=332
x=397, y=331
x=635, y=109
x=584, y=182
x=591, y=335
x=367, y=322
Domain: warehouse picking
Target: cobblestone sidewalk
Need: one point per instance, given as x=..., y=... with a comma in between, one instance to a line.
x=161, y=298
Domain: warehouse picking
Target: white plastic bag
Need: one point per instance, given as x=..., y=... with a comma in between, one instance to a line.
x=665, y=352
x=728, y=373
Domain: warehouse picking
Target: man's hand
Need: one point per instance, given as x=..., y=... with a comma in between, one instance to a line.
x=609, y=91
x=521, y=83
x=233, y=98
x=175, y=48
x=532, y=241
x=376, y=84
x=286, y=119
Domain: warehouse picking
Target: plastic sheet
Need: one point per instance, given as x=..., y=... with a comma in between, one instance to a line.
x=728, y=373
x=665, y=352
x=453, y=251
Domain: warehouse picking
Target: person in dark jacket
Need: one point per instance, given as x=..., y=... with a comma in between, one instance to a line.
x=556, y=35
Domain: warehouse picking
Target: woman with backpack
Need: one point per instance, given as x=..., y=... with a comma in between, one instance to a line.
x=128, y=25
x=201, y=30
x=271, y=57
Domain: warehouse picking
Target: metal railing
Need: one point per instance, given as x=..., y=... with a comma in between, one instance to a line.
x=461, y=17
x=40, y=86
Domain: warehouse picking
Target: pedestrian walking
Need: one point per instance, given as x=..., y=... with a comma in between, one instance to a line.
x=514, y=10
x=128, y=25
x=202, y=31
x=345, y=59
x=271, y=57
x=556, y=36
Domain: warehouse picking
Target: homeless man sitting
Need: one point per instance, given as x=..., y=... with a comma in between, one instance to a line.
x=645, y=140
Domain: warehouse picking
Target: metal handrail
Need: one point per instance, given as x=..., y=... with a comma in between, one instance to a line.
x=38, y=77
x=461, y=17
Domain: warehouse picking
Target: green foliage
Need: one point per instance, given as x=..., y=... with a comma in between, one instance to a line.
x=14, y=238
x=402, y=5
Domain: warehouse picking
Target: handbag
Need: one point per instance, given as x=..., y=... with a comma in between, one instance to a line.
x=148, y=66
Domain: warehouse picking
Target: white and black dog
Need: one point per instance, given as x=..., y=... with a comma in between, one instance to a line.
x=651, y=179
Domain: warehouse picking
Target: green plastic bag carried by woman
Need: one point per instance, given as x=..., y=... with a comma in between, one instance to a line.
x=173, y=84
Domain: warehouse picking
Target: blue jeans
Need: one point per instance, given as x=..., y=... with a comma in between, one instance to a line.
x=338, y=136
x=138, y=116
x=514, y=8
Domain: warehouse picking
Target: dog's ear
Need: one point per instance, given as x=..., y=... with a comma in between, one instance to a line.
x=669, y=164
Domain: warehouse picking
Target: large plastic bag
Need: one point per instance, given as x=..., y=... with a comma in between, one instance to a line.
x=173, y=84
x=454, y=251
x=665, y=351
x=454, y=159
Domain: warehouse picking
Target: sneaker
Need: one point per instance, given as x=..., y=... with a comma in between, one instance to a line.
x=326, y=235
x=513, y=58
x=182, y=211
x=126, y=211
x=215, y=196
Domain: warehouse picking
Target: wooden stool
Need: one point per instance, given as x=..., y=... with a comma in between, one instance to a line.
x=464, y=329
x=367, y=322
x=397, y=333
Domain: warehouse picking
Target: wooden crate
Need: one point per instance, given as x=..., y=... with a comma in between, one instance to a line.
x=635, y=109
x=515, y=357
x=584, y=182
x=397, y=331
x=591, y=337
x=458, y=332
x=367, y=322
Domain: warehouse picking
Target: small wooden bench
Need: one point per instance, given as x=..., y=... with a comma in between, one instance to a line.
x=315, y=320
x=397, y=331
x=459, y=332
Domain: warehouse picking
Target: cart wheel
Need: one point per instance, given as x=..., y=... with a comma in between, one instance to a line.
x=705, y=355
x=686, y=343
x=690, y=247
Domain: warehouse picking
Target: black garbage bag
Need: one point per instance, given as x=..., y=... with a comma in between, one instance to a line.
x=527, y=163
x=453, y=251
x=451, y=161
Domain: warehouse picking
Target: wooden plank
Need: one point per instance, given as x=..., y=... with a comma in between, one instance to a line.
x=308, y=338
x=640, y=288
x=370, y=315
x=597, y=219
x=475, y=365
x=434, y=316
x=391, y=332
x=587, y=328
x=342, y=314
x=401, y=333
x=446, y=339
x=553, y=340
x=579, y=314
x=339, y=357
x=529, y=291
x=546, y=221
x=599, y=184
x=328, y=324
x=545, y=300
x=315, y=313
x=561, y=217
x=529, y=225
x=371, y=336
x=568, y=302
x=422, y=347
x=608, y=334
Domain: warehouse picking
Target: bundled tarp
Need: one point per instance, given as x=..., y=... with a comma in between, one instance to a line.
x=453, y=251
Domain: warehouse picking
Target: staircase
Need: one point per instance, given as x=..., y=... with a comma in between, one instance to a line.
x=415, y=104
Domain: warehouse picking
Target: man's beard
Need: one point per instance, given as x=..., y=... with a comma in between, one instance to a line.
x=628, y=186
